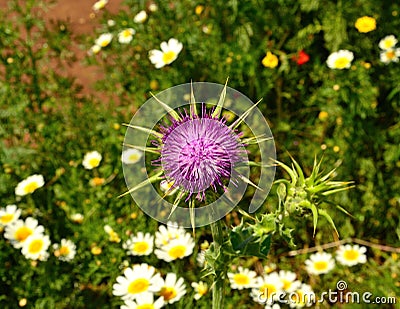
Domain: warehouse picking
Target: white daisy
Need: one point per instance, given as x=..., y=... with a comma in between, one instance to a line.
x=178, y=248
x=153, y=7
x=20, y=230
x=126, y=35
x=200, y=289
x=131, y=156
x=111, y=23
x=274, y=306
x=242, y=279
x=340, y=60
x=77, y=218
x=140, y=17
x=390, y=55
x=201, y=258
x=269, y=268
x=95, y=49
x=9, y=214
x=35, y=247
x=320, y=263
x=172, y=289
x=113, y=235
x=136, y=280
x=29, y=185
x=65, y=251
x=267, y=289
x=166, y=234
x=139, y=244
x=289, y=281
x=99, y=5
x=104, y=39
x=168, y=53
x=91, y=160
x=388, y=42
x=144, y=301
x=351, y=255
x=303, y=296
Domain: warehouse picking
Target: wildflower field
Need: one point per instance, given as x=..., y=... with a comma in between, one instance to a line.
x=200, y=154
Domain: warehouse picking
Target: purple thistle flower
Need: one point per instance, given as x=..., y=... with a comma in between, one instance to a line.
x=196, y=152
x=199, y=152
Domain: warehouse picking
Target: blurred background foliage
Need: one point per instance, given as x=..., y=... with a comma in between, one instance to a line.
x=48, y=124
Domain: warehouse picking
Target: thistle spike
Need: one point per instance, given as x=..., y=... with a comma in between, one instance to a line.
x=143, y=129
x=221, y=101
x=328, y=217
x=176, y=202
x=192, y=215
x=193, y=108
x=315, y=217
x=142, y=184
x=247, y=180
x=144, y=149
x=256, y=139
x=170, y=111
x=237, y=122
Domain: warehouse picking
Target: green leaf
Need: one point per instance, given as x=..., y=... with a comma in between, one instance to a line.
x=286, y=234
x=315, y=217
x=245, y=243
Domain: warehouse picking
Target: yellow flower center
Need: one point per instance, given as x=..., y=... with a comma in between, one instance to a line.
x=7, y=218
x=22, y=233
x=141, y=247
x=30, y=187
x=134, y=157
x=35, y=246
x=169, y=56
x=168, y=293
x=299, y=297
x=202, y=289
x=286, y=284
x=267, y=289
x=241, y=279
x=177, y=252
x=64, y=250
x=146, y=306
x=390, y=54
x=138, y=286
x=341, y=63
x=388, y=44
x=321, y=265
x=126, y=33
x=351, y=255
x=94, y=162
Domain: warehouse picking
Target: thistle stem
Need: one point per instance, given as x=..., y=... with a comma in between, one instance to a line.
x=219, y=283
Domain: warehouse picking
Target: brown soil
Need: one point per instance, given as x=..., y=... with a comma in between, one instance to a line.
x=80, y=20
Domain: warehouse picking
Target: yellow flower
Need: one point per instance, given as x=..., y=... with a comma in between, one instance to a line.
x=323, y=115
x=97, y=181
x=199, y=9
x=270, y=60
x=96, y=250
x=114, y=237
x=365, y=24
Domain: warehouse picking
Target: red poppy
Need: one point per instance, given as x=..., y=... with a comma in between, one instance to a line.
x=301, y=58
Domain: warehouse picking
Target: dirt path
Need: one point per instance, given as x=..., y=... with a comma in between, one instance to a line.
x=81, y=20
